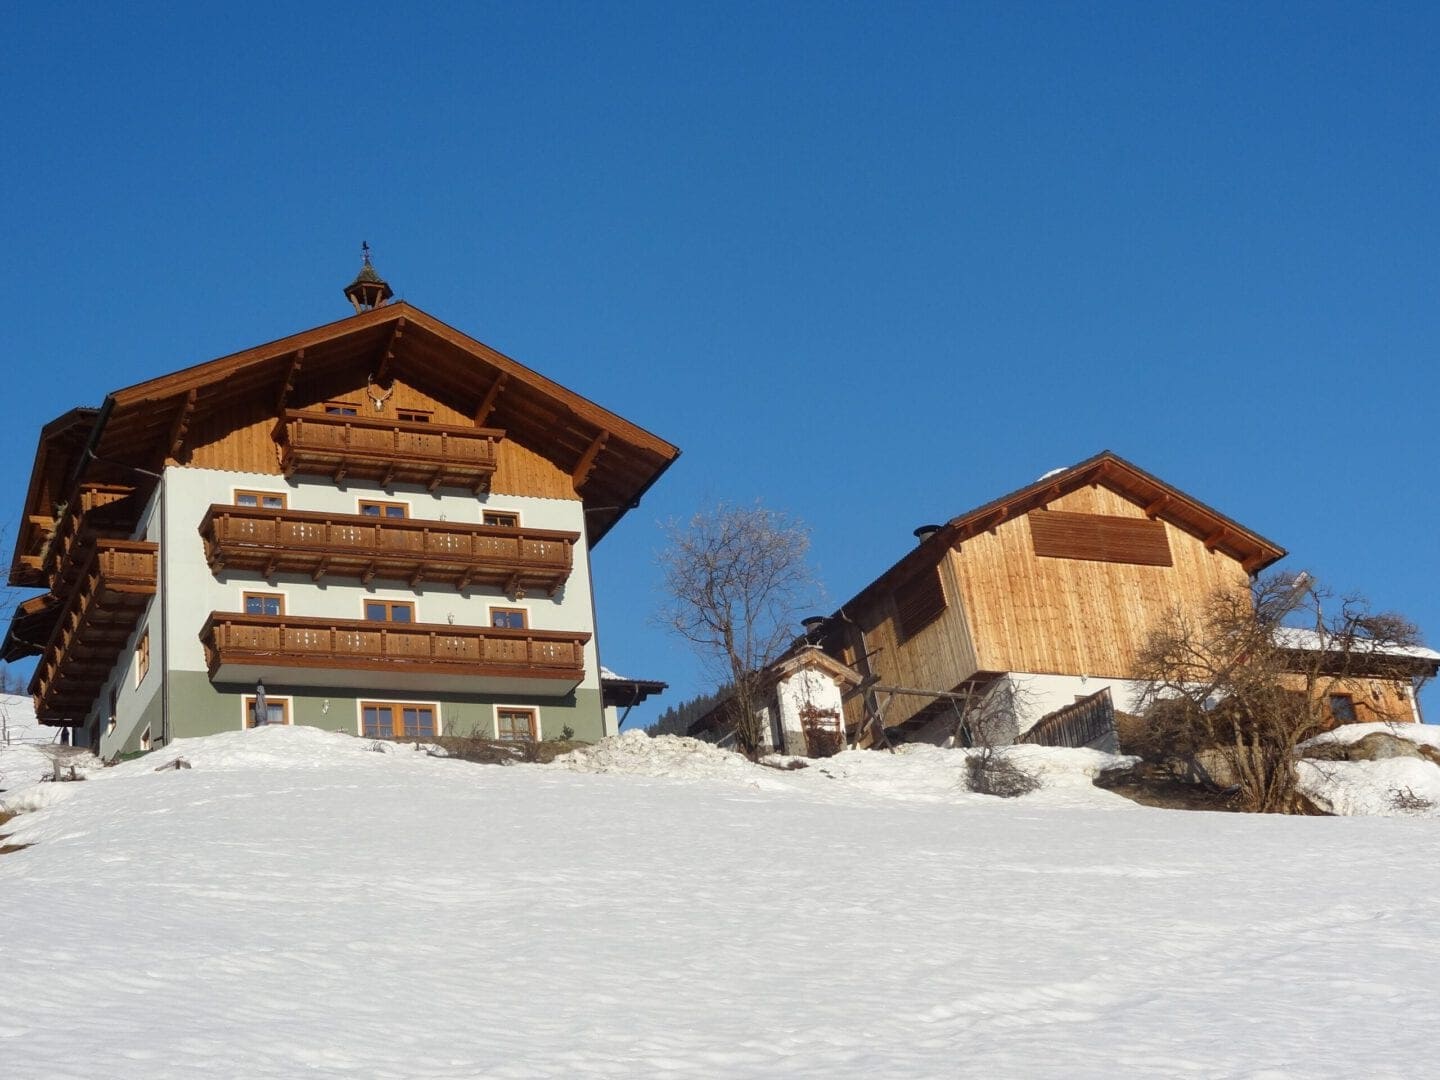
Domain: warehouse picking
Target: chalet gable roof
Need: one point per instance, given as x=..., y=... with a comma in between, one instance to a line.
x=611, y=460
x=1160, y=500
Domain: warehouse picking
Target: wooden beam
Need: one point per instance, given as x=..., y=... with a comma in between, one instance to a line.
x=1213, y=540
x=387, y=356
x=179, y=428
x=487, y=403
x=1153, y=509
x=288, y=386
x=587, y=459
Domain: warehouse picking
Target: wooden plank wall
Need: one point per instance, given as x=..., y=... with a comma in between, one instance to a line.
x=1071, y=616
x=1376, y=700
x=938, y=657
x=242, y=439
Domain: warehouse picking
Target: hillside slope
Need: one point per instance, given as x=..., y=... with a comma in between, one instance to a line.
x=296, y=904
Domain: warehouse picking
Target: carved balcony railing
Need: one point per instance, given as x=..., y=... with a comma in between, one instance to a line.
x=389, y=451
x=98, y=617
x=516, y=559
x=283, y=643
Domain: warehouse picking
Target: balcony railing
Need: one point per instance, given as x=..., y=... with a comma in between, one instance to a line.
x=283, y=643
x=99, y=615
x=387, y=450
x=98, y=511
x=354, y=546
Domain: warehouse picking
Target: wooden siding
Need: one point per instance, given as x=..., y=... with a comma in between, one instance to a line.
x=243, y=439
x=938, y=656
x=521, y=471
x=1376, y=700
x=1072, y=616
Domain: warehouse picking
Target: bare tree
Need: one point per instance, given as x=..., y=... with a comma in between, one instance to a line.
x=1238, y=686
x=737, y=581
x=987, y=722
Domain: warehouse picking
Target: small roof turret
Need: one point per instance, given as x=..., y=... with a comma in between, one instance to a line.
x=369, y=290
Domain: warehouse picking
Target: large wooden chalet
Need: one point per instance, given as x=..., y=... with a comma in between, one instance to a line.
x=382, y=521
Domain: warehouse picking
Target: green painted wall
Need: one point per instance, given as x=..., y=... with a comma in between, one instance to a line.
x=199, y=707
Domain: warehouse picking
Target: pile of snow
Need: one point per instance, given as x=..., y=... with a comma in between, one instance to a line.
x=1393, y=786
x=914, y=772
x=637, y=754
x=296, y=905
x=1346, y=734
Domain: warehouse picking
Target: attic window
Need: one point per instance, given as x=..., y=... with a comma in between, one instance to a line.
x=342, y=408
x=919, y=602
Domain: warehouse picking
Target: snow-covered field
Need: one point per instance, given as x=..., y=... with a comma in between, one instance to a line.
x=298, y=905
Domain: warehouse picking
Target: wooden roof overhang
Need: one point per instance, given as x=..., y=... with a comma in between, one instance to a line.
x=616, y=691
x=57, y=460
x=611, y=461
x=1161, y=501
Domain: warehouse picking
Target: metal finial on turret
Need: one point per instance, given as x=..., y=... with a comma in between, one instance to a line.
x=369, y=290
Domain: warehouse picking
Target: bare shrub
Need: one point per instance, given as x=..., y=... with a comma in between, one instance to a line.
x=1407, y=802
x=991, y=772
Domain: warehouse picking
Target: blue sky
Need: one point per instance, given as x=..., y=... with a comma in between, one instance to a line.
x=873, y=264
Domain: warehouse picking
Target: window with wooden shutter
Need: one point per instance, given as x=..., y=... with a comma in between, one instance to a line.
x=919, y=602
x=1060, y=534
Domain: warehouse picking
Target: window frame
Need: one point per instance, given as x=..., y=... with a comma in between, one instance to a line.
x=268, y=594
x=142, y=656
x=415, y=416
x=260, y=495
x=397, y=707
x=513, y=514
x=1349, y=700
x=341, y=408
x=390, y=606
x=247, y=702
x=382, y=505
x=524, y=614
x=532, y=711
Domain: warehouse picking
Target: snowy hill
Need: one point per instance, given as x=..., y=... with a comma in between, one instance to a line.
x=297, y=904
x=18, y=723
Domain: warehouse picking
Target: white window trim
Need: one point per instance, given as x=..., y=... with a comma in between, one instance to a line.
x=360, y=711
x=270, y=699
x=495, y=718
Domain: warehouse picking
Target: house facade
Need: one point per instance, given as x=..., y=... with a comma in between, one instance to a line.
x=1036, y=605
x=379, y=526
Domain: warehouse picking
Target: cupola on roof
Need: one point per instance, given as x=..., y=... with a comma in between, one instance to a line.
x=369, y=290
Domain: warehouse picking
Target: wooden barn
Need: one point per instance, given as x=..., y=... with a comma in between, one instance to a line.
x=1038, y=602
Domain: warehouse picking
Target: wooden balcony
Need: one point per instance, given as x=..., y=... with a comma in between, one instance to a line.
x=391, y=656
x=404, y=549
x=389, y=451
x=98, y=617
x=99, y=511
